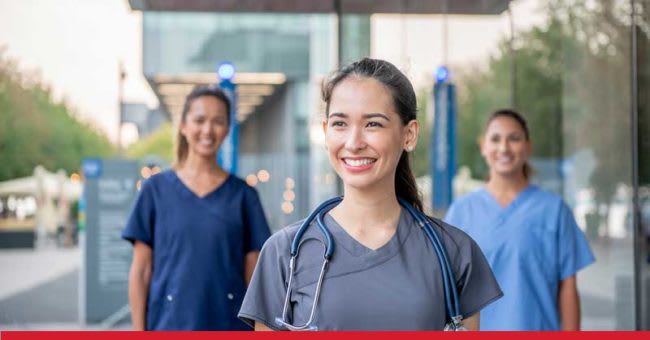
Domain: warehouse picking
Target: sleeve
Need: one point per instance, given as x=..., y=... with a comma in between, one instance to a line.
x=477, y=286
x=256, y=228
x=266, y=292
x=574, y=251
x=140, y=225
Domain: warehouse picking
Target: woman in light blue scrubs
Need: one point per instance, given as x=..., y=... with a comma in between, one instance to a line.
x=529, y=236
x=196, y=231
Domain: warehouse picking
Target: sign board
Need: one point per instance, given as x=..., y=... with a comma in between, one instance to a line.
x=109, y=191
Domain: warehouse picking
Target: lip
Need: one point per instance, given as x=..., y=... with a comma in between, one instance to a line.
x=356, y=169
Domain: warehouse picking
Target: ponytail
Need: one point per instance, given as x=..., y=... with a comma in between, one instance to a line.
x=405, y=186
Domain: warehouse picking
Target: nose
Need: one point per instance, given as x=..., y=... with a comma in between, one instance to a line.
x=503, y=146
x=206, y=128
x=355, y=140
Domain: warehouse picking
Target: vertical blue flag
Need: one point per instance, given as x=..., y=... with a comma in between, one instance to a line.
x=443, y=144
x=227, y=156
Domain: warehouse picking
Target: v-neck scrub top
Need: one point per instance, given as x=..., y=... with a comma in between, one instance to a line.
x=199, y=245
x=395, y=287
x=532, y=244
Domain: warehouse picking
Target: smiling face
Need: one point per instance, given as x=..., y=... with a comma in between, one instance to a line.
x=205, y=126
x=364, y=134
x=505, y=147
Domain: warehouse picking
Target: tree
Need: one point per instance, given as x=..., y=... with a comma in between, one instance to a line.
x=34, y=129
x=572, y=85
x=159, y=144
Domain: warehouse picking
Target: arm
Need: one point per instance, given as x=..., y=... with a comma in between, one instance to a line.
x=260, y=327
x=569, y=304
x=249, y=265
x=473, y=323
x=139, y=279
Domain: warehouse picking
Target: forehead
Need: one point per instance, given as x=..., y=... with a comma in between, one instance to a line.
x=504, y=124
x=207, y=105
x=358, y=95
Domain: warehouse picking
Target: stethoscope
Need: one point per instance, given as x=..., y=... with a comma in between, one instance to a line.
x=454, y=318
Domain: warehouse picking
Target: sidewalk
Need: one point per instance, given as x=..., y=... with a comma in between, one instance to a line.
x=39, y=288
x=24, y=269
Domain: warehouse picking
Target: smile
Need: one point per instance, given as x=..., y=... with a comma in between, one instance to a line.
x=206, y=141
x=358, y=164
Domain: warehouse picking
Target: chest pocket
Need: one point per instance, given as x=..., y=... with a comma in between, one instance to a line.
x=535, y=245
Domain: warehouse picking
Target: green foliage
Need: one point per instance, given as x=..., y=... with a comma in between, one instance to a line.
x=420, y=158
x=159, y=144
x=572, y=85
x=34, y=129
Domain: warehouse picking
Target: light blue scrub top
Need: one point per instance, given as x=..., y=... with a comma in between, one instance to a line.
x=531, y=245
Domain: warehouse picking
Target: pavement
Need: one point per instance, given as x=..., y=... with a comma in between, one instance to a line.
x=39, y=289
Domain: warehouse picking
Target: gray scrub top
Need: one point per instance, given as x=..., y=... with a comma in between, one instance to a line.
x=395, y=287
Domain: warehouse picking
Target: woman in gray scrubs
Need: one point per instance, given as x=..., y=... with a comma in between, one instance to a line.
x=384, y=273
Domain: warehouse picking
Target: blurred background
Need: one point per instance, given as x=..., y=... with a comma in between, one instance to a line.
x=90, y=92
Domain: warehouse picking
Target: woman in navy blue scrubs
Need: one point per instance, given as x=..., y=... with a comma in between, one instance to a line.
x=196, y=231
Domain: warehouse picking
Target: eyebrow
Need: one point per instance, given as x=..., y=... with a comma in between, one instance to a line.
x=365, y=116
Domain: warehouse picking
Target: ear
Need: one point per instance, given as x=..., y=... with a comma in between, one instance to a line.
x=181, y=128
x=411, y=133
x=324, y=124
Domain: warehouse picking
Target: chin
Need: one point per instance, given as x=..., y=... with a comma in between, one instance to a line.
x=507, y=172
x=206, y=153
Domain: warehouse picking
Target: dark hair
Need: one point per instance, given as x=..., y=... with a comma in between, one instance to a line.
x=404, y=101
x=182, y=148
x=517, y=117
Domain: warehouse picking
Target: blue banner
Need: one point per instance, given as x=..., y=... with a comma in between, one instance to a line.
x=227, y=156
x=443, y=145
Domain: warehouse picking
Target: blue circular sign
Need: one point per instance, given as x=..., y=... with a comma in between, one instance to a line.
x=226, y=70
x=442, y=74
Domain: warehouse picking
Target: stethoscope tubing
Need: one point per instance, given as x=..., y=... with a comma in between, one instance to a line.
x=449, y=282
x=322, y=208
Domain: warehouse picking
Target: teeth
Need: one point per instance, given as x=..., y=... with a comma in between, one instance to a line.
x=359, y=162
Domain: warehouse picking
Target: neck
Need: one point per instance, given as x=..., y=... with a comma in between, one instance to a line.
x=195, y=165
x=364, y=209
x=505, y=185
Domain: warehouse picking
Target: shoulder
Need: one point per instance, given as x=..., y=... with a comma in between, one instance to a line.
x=468, y=199
x=547, y=199
x=460, y=247
x=153, y=184
x=452, y=236
x=464, y=208
x=239, y=184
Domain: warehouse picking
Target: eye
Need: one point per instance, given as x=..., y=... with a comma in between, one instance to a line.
x=219, y=121
x=374, y=124
x=337, y=123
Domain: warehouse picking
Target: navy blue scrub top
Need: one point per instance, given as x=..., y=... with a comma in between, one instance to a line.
x=199, y=245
